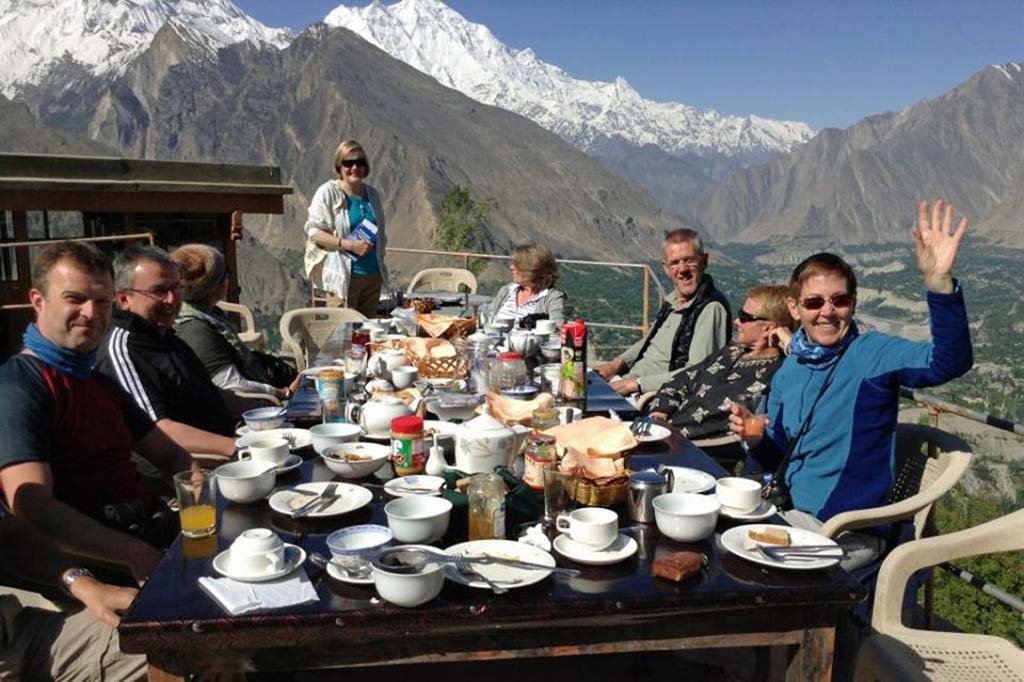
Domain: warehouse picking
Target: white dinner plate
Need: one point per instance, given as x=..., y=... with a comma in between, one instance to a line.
x=220, y=564
x=293, y=462
x=736, y=541
x=335, y=572
x=764, y=510
x=689, y=480
x=505, y=576
x=245, y=430
x=620, y=550
x=397, y=486
x=350, y=497
x=657, y=433
x=298, y=438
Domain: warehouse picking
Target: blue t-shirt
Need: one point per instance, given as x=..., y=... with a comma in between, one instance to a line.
x=358, y=210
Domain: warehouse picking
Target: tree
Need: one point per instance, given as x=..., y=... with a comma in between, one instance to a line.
x=461, y=223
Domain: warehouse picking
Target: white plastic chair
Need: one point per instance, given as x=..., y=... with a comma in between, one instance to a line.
x=248, y=333
x=305, y=330
x=896, y=652
x=442, y=279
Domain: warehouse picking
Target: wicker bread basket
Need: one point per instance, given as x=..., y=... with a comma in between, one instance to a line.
x=602, y=492
x=464, y=326
x=420, y=305
x=453, y=367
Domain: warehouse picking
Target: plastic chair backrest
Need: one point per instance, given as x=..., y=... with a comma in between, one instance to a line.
x=442, y=279
x=922, y=454
x=305, y=330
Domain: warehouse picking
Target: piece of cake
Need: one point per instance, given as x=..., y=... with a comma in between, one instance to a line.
x=770, y=536
x=678, y=566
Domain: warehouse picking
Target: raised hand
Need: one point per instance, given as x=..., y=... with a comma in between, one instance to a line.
x=935, y=245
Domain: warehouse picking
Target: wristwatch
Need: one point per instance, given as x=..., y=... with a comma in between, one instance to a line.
x=69, y=577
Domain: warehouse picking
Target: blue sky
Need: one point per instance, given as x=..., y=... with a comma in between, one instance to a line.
x=828, y=63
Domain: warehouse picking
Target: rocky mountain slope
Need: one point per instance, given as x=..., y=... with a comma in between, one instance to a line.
x=854, y=186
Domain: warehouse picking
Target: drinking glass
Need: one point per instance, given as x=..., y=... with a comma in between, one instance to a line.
x=756, y=404
x=559, y=494
x=197, y=502
x=332, y=410
x=486, y=507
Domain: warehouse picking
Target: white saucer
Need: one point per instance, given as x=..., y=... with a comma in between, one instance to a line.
x=395, y=485
x=220, y=564
x=293, y=462
x=763, y=511
x=245, y=430
x=658, y=432
x=344, y=577
x=376, y=436
x=689, y=480
x=620, y=550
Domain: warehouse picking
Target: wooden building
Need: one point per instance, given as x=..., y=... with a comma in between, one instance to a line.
x=114, y=202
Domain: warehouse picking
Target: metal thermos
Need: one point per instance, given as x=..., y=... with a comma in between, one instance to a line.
x=643, y=487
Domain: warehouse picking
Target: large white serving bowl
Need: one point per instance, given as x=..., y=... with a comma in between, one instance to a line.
x=326, y=435
x=408, y=589
x=245, y=481
x=334, y=458
x=686, y=517
x=418, y=518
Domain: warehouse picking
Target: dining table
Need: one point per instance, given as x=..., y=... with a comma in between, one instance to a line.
x=618, y=608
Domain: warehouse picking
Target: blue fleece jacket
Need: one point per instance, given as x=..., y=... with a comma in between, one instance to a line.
x=845, y=460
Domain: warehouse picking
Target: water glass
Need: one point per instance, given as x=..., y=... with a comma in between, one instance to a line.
x=332, y=410
x=197, y=502
x=559, y=494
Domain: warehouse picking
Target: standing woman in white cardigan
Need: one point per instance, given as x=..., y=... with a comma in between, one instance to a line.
x=352, y=269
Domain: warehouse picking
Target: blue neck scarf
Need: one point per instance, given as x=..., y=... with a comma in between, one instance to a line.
x=74, y=364
x=808, y=352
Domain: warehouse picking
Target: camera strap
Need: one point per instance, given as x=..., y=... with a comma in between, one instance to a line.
x=780, y=471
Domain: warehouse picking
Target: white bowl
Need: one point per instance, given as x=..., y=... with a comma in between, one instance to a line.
x=264, y=418
x=245, y=481
x=408, y=589
x=447, y=414
x=356, y=546
x=334, y=458
x=418, y=518
x=686, y=517
x=524, y=343
x=552, y=352
x=326, y=435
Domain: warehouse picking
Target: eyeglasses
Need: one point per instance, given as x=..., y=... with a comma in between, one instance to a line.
x=684, y=262
x=818, y=302
x=745, y=317
x=158, y=293
x=349, y=163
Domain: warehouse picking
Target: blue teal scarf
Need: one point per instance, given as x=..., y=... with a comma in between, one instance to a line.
x=74, y=364
x=808, y=352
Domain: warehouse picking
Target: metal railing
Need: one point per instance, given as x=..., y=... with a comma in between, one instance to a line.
x=148, y=236
x=648, y=278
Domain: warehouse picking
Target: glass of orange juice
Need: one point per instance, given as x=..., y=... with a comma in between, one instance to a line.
x=197, y=502
x=753, y=425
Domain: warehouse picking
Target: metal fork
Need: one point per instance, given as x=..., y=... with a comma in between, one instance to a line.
x=641, y=427
x=470, y=573
x=326, y=499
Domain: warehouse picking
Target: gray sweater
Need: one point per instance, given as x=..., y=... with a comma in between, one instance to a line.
x=552, y=305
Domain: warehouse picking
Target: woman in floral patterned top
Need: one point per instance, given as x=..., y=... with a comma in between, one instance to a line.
x=697, y=399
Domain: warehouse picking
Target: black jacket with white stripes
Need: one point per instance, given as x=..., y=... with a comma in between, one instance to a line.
x=162, y=374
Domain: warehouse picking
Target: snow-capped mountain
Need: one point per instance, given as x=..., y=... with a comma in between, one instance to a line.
x=433, y=38
x=103, y=36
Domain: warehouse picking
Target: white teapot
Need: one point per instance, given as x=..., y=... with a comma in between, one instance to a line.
x=375, y=415
x=382, y=362
x=483, y=443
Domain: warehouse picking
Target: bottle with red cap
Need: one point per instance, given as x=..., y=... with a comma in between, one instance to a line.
x=574, y=363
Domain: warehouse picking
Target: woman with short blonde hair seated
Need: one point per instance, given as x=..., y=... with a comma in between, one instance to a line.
x=532, y=292
x=697, y=399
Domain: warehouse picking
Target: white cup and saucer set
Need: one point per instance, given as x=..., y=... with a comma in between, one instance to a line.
x=258, y=555
x=741, y=499
x=274, y=450
x=591, y=536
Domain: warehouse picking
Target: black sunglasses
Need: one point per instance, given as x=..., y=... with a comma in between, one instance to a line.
x=818, y=302
x=745, y=317
x=349, y=163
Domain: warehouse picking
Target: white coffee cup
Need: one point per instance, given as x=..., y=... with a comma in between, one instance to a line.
x=403, y=376
x=738, y=495
x=542, y=327
x=256, y=551
x=266, y=450
x=595, y=527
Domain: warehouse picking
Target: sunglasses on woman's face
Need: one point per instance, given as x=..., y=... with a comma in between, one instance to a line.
x=349, y=163
x=746, y=317
x=818, y=302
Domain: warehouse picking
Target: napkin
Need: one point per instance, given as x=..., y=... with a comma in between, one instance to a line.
x=238, y=597
x=514, y=411
x=595, y=437
x=428, y=348
x=436, y=325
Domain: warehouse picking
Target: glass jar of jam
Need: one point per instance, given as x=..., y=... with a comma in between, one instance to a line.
x=486, y=507
x=544, y=418
x=540, y=455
